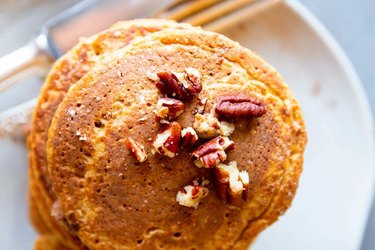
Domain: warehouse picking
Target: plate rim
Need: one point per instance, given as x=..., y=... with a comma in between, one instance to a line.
x=322, y=32
x=354, y=82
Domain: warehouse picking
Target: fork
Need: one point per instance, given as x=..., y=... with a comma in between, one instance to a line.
x=214, y=15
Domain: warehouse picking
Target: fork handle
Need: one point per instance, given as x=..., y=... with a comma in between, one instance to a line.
x=20, y=63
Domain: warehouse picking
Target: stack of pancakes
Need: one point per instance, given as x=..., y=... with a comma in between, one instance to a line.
x=89, y=191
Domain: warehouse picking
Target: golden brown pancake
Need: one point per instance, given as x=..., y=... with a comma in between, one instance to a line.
x=112, y=201
x=48, y=242
x=65, y=72
x=44, y=223
x=34, y=213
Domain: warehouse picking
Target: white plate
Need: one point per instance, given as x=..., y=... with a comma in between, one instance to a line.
x=333, y=201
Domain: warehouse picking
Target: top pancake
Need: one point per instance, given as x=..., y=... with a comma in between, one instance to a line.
x=70, y=68
x=65, y=72
x=113, y=202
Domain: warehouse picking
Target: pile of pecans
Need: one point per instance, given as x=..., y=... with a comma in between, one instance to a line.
x=231, y=185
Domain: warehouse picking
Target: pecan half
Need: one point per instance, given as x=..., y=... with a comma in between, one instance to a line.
x=191, y=195
x=167, y=141
x=240, y=106
x=178, y=85
x=188, y=137
x=231, y=184
x=169, y=109
x=136, y=150
x=208, y=126
x=212, y=152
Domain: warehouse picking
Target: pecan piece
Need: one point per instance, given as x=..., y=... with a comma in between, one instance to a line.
x=240, y=106
x=178, y=85
x=231, y=184
x=56, y=211
x=188, y=137
x=152, y=76
x=193, y=77
x=212, y=152
x=226, y=128
x=191, y=195
x=169, y=109
x=168, y=85
x=167, y=141
x=136, y=150
x=208, y=126
x=202, y=102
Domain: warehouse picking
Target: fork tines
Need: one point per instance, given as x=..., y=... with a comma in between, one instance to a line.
x=202, y=13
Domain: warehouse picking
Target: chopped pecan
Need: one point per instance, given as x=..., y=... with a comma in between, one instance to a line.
x=168, y=85
x=152, y=76
x=188, y=137
x=240, y=106
x=226, y=128
x=202, y=102
x=191, y=195
x=208, y=126
x=231, y=184
x=212, y=152
x=245, y=179
x=167, y=141
x=178, y=85
x=169, y=109
x=72, y=222
x=193, y=77
x=57, y=212
x=136, y=150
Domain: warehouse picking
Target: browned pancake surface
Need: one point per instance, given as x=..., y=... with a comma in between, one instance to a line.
x=48, y=242
x=113, y=202
x=65, y=72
